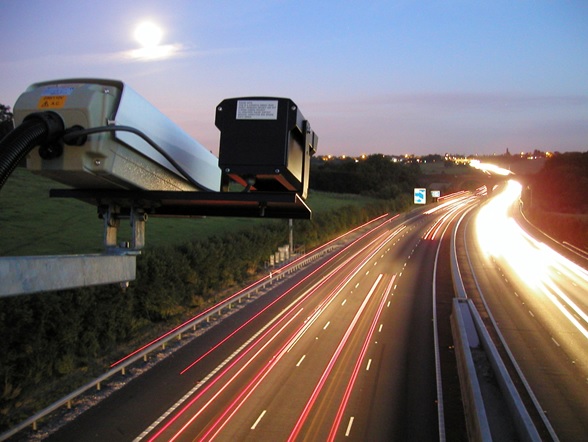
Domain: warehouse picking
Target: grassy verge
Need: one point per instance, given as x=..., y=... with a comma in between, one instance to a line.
x=562, y=226
x=31, y=223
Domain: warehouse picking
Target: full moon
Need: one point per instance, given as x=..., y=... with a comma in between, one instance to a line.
x=148, y=34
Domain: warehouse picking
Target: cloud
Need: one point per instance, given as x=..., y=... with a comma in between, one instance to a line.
x=156, y=53
x=152, y=53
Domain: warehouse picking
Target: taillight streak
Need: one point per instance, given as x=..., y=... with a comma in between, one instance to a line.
x=302, y=299
x=359, y=363
x=238, y=359
x=331, y=364
x=323, y=281
x=201, y=314
x=295, y=337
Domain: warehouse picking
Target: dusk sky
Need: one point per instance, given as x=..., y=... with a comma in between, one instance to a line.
x=389, y=77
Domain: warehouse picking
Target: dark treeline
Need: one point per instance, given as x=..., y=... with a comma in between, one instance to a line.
x=555, y=198
x=562, y=184
x=374, y=176
x=54, y=342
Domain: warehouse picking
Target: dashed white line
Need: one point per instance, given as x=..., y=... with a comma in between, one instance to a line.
x=300, y=361
x=369, y=363
x=344, y=301
x=258, y=419
x=348, y=431
x=531, y=313
x=556, y=343
x=380, y=329
x=326, y=325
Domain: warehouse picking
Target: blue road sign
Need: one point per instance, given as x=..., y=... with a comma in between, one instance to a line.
x=420, y=196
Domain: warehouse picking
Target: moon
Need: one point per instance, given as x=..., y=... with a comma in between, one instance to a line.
x=148, y=34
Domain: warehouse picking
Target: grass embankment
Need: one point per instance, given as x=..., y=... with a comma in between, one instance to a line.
x=564, y=227
x=31, y=223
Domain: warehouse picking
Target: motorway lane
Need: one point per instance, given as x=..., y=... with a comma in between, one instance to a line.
x=548, y=347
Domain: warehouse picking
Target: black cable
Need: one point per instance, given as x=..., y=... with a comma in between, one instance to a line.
x=36, y=129
x=70, y=137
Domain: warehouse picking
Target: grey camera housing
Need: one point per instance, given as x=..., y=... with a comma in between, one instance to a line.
x=265, y=144
x=119, y=160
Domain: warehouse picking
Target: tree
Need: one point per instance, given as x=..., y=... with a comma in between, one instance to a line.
x=6, y=121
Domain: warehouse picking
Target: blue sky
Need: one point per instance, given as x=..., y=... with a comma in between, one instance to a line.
x=390, y=77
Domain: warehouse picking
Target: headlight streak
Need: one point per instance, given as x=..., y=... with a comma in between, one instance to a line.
x=562, y=308
x=382, y=239
x=490, y=168
x=533, y=262
x=358, y=364
x=334, y=358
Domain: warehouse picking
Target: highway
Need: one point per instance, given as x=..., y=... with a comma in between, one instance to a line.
x=538, y=301
x=358, y=344
x=344, y=350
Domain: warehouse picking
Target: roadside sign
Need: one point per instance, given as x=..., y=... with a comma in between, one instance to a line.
x=420, y=196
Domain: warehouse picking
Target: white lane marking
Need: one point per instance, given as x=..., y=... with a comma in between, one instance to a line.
x=300, y=361
x=258, y=419
x=326, y=325
x=380, y=329
x=344, y=301
x=348, y=431
x=367, y=368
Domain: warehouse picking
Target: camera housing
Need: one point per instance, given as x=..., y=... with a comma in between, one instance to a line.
x=265, y=144
x=115, y=160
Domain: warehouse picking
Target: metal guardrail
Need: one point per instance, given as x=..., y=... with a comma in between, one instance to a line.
x=176, y=333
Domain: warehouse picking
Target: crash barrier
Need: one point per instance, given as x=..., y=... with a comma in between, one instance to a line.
x=477, y=355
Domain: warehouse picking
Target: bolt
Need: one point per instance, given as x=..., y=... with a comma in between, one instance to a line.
x=220, y=108
x=97, y=163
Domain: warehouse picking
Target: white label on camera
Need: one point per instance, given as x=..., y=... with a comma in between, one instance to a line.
x=257, y=110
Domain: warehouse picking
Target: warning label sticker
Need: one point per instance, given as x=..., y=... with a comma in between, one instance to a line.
x=257, y=110
x=52, y=102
